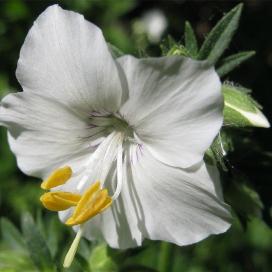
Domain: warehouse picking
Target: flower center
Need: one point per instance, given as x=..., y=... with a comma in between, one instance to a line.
x=110, y=122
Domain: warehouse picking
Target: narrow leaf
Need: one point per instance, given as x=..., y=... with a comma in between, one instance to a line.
x=240, y=109
x=190, y=39
x=53, y=234
x=233, y=61
x=219, y=38
x=36, y=245
x=11, y=235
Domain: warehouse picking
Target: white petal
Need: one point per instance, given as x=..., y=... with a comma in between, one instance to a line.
x=175, y=105
x=66, y=57
x=43, y=134
x=119, y=225
x=181, y=207
x=160, y=202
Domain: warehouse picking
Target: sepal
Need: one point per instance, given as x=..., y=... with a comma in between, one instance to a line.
x=240, y=109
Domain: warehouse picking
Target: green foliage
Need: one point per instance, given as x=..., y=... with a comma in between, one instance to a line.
x=220, y=147
x=240, y=109
x=244, y=200
x=11, y=235
x=36, y=245
x=178, y=50
x=220, y=37
x=167, y=44
x=231, y=62
x=166, y=257
x=100, y=261
x=13, y=261
x=190, y=40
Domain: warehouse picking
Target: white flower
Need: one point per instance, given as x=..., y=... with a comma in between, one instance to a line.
x=126, y=136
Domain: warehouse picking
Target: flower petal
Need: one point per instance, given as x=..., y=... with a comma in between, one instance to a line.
x=43, y=134
x=182, y=207
x=160, y=202
x=66, y=57
x=175, y=105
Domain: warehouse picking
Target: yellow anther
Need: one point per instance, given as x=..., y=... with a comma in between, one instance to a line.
x=59, y=201
x=58, y=177
x=93, y=201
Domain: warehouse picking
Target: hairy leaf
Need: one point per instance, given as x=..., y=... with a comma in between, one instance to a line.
x=190, y=39
x=230, y=63
x=36, y=245
x=220, y=37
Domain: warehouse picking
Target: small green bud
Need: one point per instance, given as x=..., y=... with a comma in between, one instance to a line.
x=240, y=109
x=178, y=50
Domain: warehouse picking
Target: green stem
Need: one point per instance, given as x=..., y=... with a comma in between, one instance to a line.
x=165, y=257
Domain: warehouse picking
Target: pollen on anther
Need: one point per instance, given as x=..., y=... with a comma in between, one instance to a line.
x=58, y=177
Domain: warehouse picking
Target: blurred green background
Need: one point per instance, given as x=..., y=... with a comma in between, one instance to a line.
x=137, y=27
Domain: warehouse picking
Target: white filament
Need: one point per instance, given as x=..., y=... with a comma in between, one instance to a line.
x=93, y=161
x=109, y=158
x=100, y=162
x=119, y=171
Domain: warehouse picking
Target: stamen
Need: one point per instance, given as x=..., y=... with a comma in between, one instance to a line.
x=58, y=177
x=93, y=161
x=72, y=250
x=119, y=171
x=109, y=157
x=59, y=201
x=93, y=201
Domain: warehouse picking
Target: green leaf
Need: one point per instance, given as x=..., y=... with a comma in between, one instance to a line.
x=190, y=39
x=167, y=44
x=240, y=109
x=15, y=261
x=36, y=245
x=53, y=234
x=100, y=261
x=165, y=260
x=244, y=200
x=233, y=61
x=219, y=38
x=11, y=235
